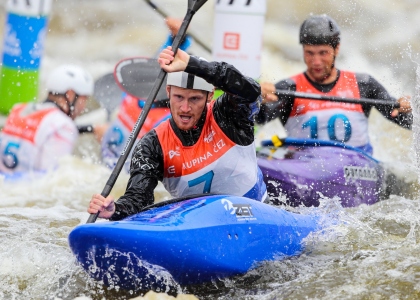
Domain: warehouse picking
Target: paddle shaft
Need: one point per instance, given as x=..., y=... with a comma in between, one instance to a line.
x=163, y=14
x=337, y=99
x=192, y=8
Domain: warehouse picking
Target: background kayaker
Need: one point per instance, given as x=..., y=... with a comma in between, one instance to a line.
x=117, y=133
x=302, y=118
x=36, y=135
x=173, y=25
x=205, y=147
x=116, y=136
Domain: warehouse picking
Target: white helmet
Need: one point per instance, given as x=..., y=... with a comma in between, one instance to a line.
x=70, y=77
x=188, y=81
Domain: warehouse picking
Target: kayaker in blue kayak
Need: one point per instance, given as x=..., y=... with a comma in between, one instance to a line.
x=36, y=135
x=325, y=120
x=205, y=147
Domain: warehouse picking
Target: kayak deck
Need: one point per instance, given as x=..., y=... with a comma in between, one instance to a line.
x=189, y=242
x=303, y=174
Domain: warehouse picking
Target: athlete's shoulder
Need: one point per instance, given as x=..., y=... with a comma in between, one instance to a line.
x=57, y=122
x=57, y=117
x=161, y=128
x=288, y=83
x=363, y=78
x=150, y=137
x=148, y=147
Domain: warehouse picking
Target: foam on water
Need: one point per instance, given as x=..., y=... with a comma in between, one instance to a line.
x=363, y=252
x=34, y=241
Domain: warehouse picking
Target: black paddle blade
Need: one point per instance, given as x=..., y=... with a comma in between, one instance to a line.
x=107, y=92
x=136, y=76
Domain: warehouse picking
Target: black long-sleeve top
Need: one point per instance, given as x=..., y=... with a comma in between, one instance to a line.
x=368, y=87
x=234, y=112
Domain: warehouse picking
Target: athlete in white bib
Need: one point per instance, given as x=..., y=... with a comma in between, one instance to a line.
x=205, y=147
x=325, y=120
x=36, y=135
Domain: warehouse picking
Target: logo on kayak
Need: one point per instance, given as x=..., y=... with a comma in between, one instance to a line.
x=360, y=173
x=242, y=211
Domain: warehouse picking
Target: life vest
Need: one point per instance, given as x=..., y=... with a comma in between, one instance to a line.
x=215, y=164
x=34, y=137
x=327, y=120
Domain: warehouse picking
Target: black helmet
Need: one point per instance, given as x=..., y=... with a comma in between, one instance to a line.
x=319, y=30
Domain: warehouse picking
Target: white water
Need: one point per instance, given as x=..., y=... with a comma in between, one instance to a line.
x=371, y=252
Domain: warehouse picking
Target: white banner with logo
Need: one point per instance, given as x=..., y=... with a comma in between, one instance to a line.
x=238, y=33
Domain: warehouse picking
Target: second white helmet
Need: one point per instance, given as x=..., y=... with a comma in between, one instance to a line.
x=70, y=77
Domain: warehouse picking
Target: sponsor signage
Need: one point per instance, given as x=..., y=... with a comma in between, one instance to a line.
x=352, y=173
x=243, y=212
x=23, y=45
x=238, y=32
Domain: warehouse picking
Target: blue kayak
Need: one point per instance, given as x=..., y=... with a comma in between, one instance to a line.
x=188, y=241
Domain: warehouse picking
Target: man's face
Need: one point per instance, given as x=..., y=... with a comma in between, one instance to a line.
x=186, y=105
x=319, y=60
x=69, y=97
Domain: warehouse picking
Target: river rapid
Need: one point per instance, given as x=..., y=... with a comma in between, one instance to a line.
x=368, y=252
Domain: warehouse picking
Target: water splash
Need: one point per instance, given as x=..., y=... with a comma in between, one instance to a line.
x=415, y=104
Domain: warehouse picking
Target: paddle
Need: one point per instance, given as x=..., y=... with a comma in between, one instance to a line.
x=193, y=7
x=107, y=92
x=163, y=14
x=336, y=99
x=108, y=88
x=136, y=76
